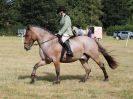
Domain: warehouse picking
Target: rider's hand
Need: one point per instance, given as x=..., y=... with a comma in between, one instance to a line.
x=58, y=35
x=55, y=34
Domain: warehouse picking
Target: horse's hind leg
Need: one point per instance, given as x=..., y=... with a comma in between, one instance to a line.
x=97, y=59
x=87, y=70
x=104, y=72
x=33, y=74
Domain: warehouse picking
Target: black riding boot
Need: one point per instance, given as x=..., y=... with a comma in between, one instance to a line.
x=68, y=48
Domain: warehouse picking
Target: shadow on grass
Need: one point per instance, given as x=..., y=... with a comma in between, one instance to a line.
x=50, y=77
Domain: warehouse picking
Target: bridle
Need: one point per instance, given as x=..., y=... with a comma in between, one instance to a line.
x=45, y=41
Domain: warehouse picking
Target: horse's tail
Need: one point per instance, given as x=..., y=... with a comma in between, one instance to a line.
x=111, y=61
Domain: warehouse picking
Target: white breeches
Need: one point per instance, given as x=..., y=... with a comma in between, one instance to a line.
x=65, y=37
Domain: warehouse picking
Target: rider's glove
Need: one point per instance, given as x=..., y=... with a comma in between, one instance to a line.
x=58, y=35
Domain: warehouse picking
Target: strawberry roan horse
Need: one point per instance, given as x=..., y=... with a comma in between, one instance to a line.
x=82, y=47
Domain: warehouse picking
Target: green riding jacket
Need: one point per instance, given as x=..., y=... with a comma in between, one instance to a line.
x=65, y=22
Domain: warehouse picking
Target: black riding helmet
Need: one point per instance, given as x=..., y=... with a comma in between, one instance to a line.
x=61, y=8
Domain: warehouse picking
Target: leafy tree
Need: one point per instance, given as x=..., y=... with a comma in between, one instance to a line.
x=116, y=12
x=76, y=13
x=86, y=12
x=61, y=2
x=95, y=11
x=15, y=11
x=39, y=12
x=130, y=8
x=82, y=12
x=90, y=9
x=9, y=17
x=4, y=15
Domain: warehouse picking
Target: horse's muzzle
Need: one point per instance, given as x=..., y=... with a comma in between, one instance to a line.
x=27, y=47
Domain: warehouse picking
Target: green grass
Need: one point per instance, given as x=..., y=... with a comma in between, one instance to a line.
x=16, y=65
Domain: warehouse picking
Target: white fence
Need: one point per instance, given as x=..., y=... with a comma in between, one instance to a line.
x=21, y=32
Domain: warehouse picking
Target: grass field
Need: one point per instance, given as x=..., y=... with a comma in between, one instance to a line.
x=16, y=65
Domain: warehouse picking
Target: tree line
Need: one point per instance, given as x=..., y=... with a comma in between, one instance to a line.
x=16, y=14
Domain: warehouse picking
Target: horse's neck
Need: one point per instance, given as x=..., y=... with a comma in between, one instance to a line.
x=47, y=39
x=44, y=37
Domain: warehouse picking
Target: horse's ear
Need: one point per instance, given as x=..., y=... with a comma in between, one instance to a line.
x=29, y=27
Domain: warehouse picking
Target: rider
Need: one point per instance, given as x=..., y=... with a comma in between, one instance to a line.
x=65, y=32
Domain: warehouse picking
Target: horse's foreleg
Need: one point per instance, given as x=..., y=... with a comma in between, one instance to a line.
x=57, y=69
x=87, y=70
x=33, y=74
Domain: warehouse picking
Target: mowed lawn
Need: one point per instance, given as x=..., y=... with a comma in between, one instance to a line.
x=16, y=65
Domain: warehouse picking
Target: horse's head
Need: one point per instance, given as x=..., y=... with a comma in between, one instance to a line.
x=30, y=38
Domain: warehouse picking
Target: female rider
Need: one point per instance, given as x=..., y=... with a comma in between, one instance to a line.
x=65, y=32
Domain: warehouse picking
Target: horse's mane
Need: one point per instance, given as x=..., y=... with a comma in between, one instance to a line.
x=32, y=25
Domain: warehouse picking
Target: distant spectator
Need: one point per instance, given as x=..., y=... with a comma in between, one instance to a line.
x=91, y=32
x=80, y=32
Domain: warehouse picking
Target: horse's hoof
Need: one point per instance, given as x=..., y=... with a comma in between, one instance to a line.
x=33, y=78
x=32, y=81
x=56, y=82
x=106, y=79
x=83, y=80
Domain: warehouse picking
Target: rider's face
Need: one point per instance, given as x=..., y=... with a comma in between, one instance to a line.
x=60, y=13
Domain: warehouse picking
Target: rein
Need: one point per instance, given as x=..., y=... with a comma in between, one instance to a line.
x=45, y=41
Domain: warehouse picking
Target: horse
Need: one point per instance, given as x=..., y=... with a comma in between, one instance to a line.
x=79, y=32
x=83, y=49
